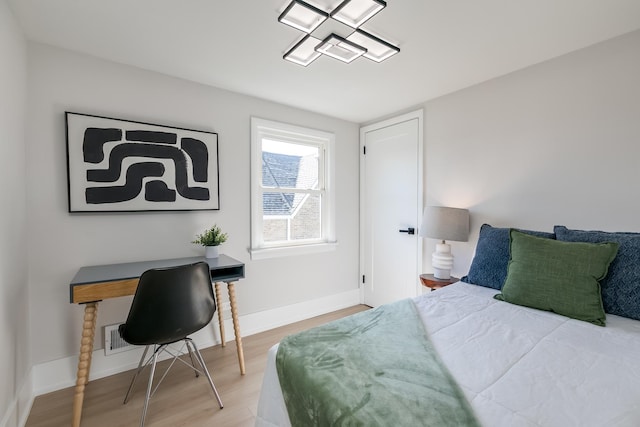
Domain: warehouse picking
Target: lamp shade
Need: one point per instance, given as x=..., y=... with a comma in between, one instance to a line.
x=445, y=223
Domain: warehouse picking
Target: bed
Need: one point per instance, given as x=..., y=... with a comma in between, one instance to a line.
x=518, y=365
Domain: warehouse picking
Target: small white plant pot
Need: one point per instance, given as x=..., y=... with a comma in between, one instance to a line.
x=211, y=251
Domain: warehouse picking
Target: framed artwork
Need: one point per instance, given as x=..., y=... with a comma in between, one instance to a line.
x=116, y=165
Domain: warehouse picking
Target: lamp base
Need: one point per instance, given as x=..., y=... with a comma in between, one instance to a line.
x=442, y=261
x=439, y=273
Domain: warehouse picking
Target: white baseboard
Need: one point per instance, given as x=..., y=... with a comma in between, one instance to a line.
x=274, y=318
x=18, y=410
x=61, y=373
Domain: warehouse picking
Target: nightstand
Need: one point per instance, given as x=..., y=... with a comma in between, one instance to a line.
x=431, y=282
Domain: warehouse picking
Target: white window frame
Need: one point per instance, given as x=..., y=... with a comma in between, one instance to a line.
x=261, y=129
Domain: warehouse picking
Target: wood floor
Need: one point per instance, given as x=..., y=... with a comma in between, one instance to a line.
x=182, y=399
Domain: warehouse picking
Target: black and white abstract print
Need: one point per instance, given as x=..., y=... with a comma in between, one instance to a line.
x=123, y=166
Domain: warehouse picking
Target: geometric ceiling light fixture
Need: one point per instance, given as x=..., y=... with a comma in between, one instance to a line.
x=377, y=49
x=303, y=16
x=355, y=12
x=316, y=23
x=304, y=52
x=340, y=48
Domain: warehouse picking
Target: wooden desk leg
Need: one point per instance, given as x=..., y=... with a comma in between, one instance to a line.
x=84, y=361
x=93, y=334
x=236, y=324
x=220, y=315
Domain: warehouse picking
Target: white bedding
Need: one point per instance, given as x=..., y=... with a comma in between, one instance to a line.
x=519, y=366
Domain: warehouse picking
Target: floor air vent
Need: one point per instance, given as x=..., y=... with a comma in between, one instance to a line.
x=113, y=343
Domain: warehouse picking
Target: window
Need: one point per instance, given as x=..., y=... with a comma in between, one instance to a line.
x=292, y=208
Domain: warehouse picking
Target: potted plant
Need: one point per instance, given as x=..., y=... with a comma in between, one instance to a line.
x=211, y=239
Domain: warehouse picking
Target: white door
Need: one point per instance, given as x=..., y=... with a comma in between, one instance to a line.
x=390, y=209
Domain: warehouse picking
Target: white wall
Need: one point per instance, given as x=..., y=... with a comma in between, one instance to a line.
x=14, y=309
x=556, y=143
x=60, y=80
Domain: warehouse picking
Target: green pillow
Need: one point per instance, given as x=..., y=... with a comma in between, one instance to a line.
x=556, y=276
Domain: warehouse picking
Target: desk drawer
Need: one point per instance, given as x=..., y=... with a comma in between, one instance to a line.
x=90, y=292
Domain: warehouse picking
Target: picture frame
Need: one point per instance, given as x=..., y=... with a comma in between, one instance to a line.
x=117, y=165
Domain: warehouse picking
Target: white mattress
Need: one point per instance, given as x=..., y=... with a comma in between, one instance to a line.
x=519, y=366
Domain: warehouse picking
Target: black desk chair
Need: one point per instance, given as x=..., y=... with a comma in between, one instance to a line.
x=169, y=305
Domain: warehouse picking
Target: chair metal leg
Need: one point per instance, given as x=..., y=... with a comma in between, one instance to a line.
x=193, y=363
x=205, y=370
x=192, y=349
x=149, y=385
x=135, y=376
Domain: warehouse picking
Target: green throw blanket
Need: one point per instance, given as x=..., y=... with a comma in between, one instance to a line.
x=374, y=368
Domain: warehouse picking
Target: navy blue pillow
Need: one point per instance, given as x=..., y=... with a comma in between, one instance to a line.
x=489, y=265
x=621, y=285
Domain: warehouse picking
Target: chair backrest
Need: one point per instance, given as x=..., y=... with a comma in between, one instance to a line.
x=170, y=304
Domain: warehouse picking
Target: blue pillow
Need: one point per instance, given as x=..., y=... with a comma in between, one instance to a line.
x=489, y=265
x=621, y=286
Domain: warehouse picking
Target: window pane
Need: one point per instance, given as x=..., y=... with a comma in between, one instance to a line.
x=291, y=216
x=288, y=165
x=280, y=204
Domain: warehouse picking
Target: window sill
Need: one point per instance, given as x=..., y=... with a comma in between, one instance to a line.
x=284, y=251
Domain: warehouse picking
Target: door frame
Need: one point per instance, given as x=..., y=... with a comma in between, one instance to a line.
x=417, y=114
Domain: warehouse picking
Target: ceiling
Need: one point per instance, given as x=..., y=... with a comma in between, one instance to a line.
x=446, y=45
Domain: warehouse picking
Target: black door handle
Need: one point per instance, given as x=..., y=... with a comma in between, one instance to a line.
x=409, y=230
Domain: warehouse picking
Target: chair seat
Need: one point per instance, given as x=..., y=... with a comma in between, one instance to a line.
x=167, y=338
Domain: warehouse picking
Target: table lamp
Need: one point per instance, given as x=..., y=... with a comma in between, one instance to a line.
x=444, y=223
